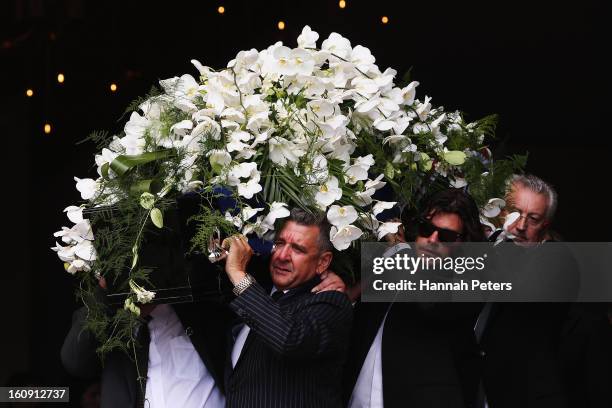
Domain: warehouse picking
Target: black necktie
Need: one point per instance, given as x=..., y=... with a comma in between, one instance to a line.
x=277, y=295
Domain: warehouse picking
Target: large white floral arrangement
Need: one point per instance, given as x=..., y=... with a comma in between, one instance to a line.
x=321, y=128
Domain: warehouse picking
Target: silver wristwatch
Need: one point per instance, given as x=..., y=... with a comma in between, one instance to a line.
x=244, y=283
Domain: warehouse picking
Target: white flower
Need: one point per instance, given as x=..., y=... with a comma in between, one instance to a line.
x=355, y=173
x=424, y=108
x=341, y=216
x=283, y=151
x=376, y=184
x=136, y=126
x=328, y=193
x=219, y=159
x=308, y=38
x=338, y=45
x=87, y=187
x=409, y=92
x=250, y=188
x=65, y=253
x=317, y=172
x=237, y=139
x=285, y=61
x=387, y=228
x=342, y=238
x=74, y=213
x=321, y=108
x=364, y=197
x=85, y=250
x=362, y=58
x=107, y=156
x=242, y=170
x=277, y=210
x=493, y=207
x=207, y=128
x=142, y=295
x=247, y=213
x=381, y=206
x=181, y=127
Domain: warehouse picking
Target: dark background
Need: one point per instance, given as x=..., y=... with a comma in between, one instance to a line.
x=538, y=64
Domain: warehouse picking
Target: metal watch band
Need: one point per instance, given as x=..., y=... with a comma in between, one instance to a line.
x=244, y=283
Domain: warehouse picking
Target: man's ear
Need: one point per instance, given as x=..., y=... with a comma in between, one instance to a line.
x=324, y=262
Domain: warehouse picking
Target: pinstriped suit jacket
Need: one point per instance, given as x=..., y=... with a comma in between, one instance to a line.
x=295, y=351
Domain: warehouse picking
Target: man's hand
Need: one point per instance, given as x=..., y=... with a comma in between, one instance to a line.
x=329, y=281
x=238, y=257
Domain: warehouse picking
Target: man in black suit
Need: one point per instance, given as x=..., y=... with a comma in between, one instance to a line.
x=520, y=341
x=533, y=352
x=291, y=347
x=180, y=358
x=419, y=354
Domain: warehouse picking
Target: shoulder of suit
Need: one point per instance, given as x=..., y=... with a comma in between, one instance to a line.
x=333, y=297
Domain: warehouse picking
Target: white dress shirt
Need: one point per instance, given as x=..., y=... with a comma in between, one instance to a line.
x=177, y=377
x=368, y=391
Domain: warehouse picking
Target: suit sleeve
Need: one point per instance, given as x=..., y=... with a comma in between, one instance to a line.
x=318, y=328
x=78, y=352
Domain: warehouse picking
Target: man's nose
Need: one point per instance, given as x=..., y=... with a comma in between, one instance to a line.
x=433, y=238
x=283, y=253
x=521, y=223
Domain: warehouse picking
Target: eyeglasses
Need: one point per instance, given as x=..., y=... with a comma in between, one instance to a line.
x=529, y=219
x=426, y=228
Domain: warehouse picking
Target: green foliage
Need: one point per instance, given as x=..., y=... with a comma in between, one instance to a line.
x=101, y=138
x=208, y=222
x=134, y=105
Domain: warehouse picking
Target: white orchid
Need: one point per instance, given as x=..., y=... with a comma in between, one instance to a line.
x=337, y=45
x=381, y=206
x=74, y=213
x=387, y=228
x=283, y=151
x=87, y=187
x=327, y=193
x=277, y=210
x=424, y=108
x=342, y=238
x=286, y=61
x=493, y=207
x=341, y=216
x=219, y=159
x=308, y=38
